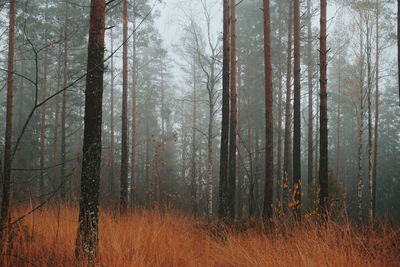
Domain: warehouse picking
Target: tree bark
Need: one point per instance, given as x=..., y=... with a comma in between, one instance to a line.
x=287, y=163
x=64, y=109
x=43, y=118
x=112, y=128
x=398, y=46
x=124, y=133
x=375, y=156
x=6, y=197
x=233, y=115
x=310, y=72
x=87, y=237
x=323, y=128
x=223, y=209
x=133, y=122
x=269, y=124
x=279, y=180
x=297, y=115
x=195, y=200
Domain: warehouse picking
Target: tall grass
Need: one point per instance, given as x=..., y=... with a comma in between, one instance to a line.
x=47, y=238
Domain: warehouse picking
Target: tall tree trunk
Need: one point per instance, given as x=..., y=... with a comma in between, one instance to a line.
x=360, y=134
x=195, y=204
x=279, y=181
x=233, y=116
x=223, y=209
x=6, y=197
x=64, y=109
x=210, y=138
x=87, y=237
x=124, y=133
x=133, y=123
x=287, y=163
x=43, y=118
x=210, y=159
x=252, y=179
x=338, y=121
x=297, y=114
x=269, y=123
x=398, y=46
x=310, y=72
x=161, y=172
x=369, y=99
x=112, y=141
x=375, y=165
x=323, y=123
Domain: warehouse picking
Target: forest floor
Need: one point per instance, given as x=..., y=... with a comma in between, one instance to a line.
x=47, y=238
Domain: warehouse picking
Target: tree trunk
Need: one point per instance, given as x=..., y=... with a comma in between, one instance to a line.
x=112, y=141
x=124, y=133
x=297, y=115
x=233, y=115
x=360, y=134
x=269, y=124
x=64, y=110
x=6, y=198
x=43, y=119
x=133, y=123
x=195, y=204
x=323, y=123
x=310, y=72
x=87, y=237
x=223, y=209
x=398, y=46
x=369, y=99
x=279, y=181
x=287, y=163
x=375, y=164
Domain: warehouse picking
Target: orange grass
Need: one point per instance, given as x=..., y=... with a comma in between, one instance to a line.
x=157, y=239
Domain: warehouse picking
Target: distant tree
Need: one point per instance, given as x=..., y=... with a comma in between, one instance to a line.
x=87, y=236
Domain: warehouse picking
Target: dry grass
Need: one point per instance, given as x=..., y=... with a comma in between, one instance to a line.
x=155, y=239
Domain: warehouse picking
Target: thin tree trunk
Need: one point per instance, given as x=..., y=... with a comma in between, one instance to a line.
x=338, y=121
x=87, y=237
x=64, y=109
x=252, y=179
x=195, y=207
x=6, y=197
x=323, y=123
x=375, y=164
x=369, y=99
x=360, y=134
x=310, y=72
x=398, y=46
x=43, y=119
x=269, y=123
x=279, y=181
x=233, y=116
x=133, y=123
x=287, y=163
x=297, y=115
x=223, y=211
x=124, y=133
x=112, y=141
